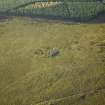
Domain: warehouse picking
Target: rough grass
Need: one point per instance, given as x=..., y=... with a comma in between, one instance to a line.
x=29, y=77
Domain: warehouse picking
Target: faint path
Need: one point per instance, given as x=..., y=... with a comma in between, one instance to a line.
x=79, y=96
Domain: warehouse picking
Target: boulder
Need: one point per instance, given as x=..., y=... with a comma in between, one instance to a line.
x=54, y=52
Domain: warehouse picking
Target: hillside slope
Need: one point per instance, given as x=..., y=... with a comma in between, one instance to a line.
x=72, y=9
x=29, y=77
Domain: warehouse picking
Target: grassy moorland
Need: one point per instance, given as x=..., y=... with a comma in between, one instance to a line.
x=29, y=77
x=76, y=10
x=81, y=11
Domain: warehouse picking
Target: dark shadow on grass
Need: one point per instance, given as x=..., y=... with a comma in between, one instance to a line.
x=100, y=18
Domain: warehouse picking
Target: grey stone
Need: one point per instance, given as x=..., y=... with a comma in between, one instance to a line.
x=54, y=52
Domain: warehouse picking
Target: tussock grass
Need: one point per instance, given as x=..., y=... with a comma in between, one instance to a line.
x=30, y=79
